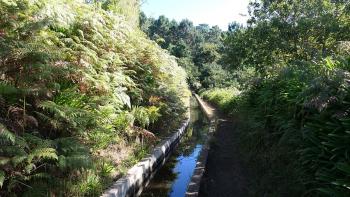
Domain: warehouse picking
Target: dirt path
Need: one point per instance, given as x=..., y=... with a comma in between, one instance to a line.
x=225, y=173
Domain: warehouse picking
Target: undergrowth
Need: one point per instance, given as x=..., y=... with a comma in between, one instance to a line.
x=77, y=80
x=224, y=98
x=293, y=129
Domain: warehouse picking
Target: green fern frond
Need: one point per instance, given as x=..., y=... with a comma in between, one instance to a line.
x=144, y=116
x=74, y=162
x=123, y=97
x=4, y=160
x=70, y=146
x=154, y=113
x=2, y=178
x=11, y=150
x=53, y=108
x=37, y=141
x=21, y=143
x=6, y=135
x=16, y=160
x=66, y=117
x=40, y=176
x=43, y=117
x=141, y=116
x=43, y=153
x=28, y=169
x=6, y=89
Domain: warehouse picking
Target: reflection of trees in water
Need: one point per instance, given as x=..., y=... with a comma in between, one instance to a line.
x=196, y=133
x=162, y=181
x=166, y=172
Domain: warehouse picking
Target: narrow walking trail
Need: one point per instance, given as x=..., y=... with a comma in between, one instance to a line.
x=226, y=174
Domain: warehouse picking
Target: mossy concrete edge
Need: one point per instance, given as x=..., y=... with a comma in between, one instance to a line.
x=140, y=174
x=194, y=185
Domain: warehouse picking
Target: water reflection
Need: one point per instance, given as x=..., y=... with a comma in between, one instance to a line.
x=172, y=179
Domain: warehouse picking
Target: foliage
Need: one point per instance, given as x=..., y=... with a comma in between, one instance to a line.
x=214, y=76
x=130, y=9
x=198, y=48
x=224, y=98
x=291, y=63
x=77, y=78
x=287, y=64
x=281, y=32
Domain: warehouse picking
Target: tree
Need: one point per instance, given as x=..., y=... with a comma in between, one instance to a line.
x=214, y=76
x=194, y=46
x=206, y=53
x=280, y=32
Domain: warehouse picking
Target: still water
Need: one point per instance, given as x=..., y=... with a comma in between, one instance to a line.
x=172, y=179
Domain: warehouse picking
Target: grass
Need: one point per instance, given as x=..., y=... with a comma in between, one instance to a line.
x=223, y=98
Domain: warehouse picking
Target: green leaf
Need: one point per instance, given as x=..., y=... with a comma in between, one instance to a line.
x=2, y=178
x=330, y=63
x=18, y=159
x=41, y=175
x=43, y=153
x=9, y=2
x=4, y=160
x=28, y=169
x=6, y=134
x=344, y=167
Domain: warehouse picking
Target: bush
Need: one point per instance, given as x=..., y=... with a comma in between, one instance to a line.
x=74, y=71
x=224, y=98
x=296, y=126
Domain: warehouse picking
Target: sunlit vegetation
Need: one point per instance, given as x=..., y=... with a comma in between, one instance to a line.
x=285, y=75
x=223, y=98
x=88, y=87
x=80, y=85
x=198, y=49
x=295, y=110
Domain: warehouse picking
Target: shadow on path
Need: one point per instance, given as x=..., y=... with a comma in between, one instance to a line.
x=225, y=175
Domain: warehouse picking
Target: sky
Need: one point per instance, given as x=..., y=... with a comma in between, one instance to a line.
x=212, y=12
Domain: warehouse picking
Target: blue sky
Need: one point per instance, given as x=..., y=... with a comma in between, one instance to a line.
x=212, y=12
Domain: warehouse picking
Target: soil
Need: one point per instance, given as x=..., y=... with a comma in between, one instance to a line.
x=225, y=174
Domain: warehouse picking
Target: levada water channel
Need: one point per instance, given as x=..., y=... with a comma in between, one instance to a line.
x=172, y=179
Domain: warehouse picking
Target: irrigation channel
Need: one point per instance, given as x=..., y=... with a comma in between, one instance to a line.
x=172, y=179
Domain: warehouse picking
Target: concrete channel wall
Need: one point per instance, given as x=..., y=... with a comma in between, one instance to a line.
x=194, y=185
x=139, y=175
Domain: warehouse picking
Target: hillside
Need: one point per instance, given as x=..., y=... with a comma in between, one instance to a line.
x=80, y=85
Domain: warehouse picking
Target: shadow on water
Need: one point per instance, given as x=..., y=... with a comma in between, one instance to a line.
x=172, y=179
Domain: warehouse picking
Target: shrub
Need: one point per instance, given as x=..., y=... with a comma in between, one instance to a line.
x=71, y=75
x=224, y=98
x=297, y=120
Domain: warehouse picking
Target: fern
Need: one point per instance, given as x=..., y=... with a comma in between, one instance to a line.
x=36, y=141
x=4, y=160
x=72, y=154
x=6, y=135
x=42, y=153
x=6, y=89
x=40, y=176
x=18, y=159
x=74, y=118
x=141, y=116
x=2, y=178
x=79, y=71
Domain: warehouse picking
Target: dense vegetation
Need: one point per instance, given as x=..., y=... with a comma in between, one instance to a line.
x=82, y=83
x=295, y=107
x=198, y=49
x=286, y=77
x=79, y=84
